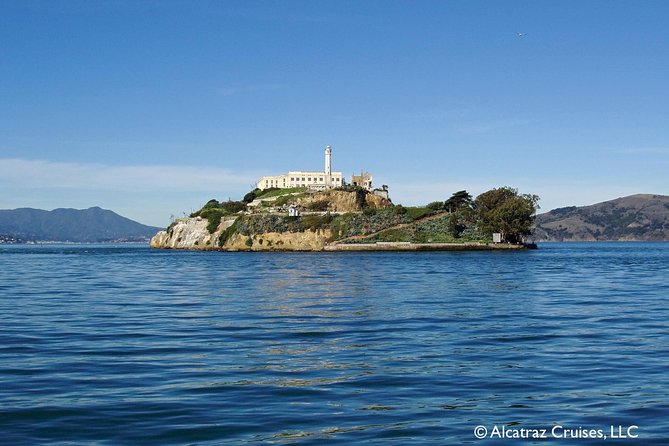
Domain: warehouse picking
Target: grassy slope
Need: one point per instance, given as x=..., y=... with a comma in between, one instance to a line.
x=398, y=223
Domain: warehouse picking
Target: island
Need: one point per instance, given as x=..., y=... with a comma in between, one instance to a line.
x=320, y=211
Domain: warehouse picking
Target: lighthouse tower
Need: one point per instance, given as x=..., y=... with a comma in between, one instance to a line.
x=328, y=166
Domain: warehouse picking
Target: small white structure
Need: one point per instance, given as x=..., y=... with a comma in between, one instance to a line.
x=293, y=211
x=496, y=237
x=313, y=180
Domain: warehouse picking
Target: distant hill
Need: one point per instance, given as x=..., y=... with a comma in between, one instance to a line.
x=71, y=225
x=637, y=217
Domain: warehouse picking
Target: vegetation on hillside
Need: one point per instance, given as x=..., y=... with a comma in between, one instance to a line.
x=214, y=210
x=276, y=192
x=635, y=217
x=460, y=218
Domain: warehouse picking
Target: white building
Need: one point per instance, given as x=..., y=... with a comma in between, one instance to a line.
x=313, y=180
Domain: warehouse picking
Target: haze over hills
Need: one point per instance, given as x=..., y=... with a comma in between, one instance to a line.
x=642, y=217
x=71, y=225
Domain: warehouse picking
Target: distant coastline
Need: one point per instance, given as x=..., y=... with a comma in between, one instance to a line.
x=92, y=225
x=640, y=217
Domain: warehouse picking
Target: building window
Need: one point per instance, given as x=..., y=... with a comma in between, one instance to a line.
x=303, y=180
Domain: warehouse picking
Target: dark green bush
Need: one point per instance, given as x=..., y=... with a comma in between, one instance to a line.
x=436, y=206
x=399, y=209
x=316, y=222
x=214, y=219
x=319, y=205
x=250, y=196
x=232, y=207
x=229, y=232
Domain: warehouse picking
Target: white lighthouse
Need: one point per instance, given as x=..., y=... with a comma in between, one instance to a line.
x=322, y=180
x=328, y=165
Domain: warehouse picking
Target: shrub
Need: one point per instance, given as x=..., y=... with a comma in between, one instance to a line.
x=250, y=196
x=214, y=207
x=316, y=222
x=399, y=209
x=267, y=191
x=282, y=201
x=416, y=212
x=319, y=205
x=229, y=232
x=232, y=207
x=214, y=219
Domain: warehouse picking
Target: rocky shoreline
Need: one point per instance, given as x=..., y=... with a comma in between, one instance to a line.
x=192, y=234
x=402, y=246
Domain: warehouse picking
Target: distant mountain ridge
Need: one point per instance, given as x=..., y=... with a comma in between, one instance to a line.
x=642, y=217
x=71, y=225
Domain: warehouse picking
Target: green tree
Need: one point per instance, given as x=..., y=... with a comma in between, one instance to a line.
x=459, y=221
x=460, y=199
x=436, y=206
x=250, y=196
x=506, y=211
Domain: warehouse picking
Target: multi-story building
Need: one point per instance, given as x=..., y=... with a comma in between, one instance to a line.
x=313, y=180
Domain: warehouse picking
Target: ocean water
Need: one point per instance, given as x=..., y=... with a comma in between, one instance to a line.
x=127, y=345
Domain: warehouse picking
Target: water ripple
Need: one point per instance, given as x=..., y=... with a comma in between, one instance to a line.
x=125, y=345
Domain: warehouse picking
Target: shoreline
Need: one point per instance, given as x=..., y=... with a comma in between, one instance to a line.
x=387, y=247
x=408, y=246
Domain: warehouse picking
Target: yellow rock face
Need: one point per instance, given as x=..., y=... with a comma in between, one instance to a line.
x=276, y=241
x=340, y=201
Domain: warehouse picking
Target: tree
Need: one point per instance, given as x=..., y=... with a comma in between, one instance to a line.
x=460, y=199
x=250, y=196
x=436, y=206
x=506, y=211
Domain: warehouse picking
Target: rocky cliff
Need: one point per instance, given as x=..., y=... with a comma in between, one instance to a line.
x=189, y=233
x=342, y=201
x=192, y=233
x=266, y=230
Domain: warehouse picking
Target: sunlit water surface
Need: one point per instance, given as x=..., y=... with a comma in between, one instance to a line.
x=127, y=345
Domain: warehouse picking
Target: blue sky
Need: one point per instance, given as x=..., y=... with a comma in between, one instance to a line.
x=151, y=108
